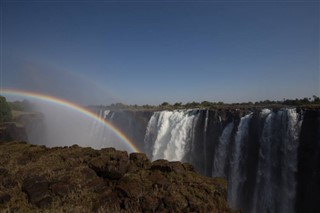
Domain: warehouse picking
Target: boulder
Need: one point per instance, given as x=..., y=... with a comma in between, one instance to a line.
x=110, y=167
x=61, y=188
x=37, y=190
x=4, y=197
x=139, y=161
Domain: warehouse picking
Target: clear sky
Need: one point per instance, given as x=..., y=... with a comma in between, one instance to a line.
x=148, y=52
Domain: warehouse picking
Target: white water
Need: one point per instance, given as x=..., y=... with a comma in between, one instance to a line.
x=205, y=138
x=206, y=121
x=236, y=177
x=263, y=197
x=151, y=134
x=220, y=156
x=106, y=113
x=289, y=161
x=169, y=132
x=275, y=188
x=112, y=115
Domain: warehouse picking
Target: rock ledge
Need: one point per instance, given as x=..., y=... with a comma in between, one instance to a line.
x=74, y=179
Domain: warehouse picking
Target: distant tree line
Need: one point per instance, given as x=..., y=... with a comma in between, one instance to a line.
x=24, y=105
x=5, y=111
x=303, y=102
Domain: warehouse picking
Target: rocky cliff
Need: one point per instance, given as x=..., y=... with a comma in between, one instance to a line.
x=10, y=131
x=270, y=157
x=74, y=179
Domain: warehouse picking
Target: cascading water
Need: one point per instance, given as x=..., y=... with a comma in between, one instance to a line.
x=237, y=177
x=151, y=133
x=220, y=159
x=257, y=152
x=106, y=113
x=168, y=132
x=205, y=137
x=265, y=189
x=276, y=181
x=289, y=161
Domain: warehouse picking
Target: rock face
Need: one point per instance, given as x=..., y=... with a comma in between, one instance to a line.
x=74, y=179
x=270, y=157
x=10, y=131
x=308, y=188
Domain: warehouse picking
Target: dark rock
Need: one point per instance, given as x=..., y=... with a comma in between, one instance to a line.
x=129, y=188
x=11, y=132
x=177, y=167
x=161, y=165
x=149, y=203
x=37, y=189
x=4, y=197
x=165, y=166
x=3, y=172
x=139, y=160
x=158, y=180
x=88, y=173
x=23, y=160
x=44, y=202
x=107, y=180
x=8, y=183
x=98, y=165
x=98, y=186
x=61, y=189
x=110, y=166
x=175, y=201
x=188, y=167
x=308, y=175
x=108, y=202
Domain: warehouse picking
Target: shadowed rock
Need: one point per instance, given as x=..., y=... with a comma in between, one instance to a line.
x=37, y=189
x=4, y=197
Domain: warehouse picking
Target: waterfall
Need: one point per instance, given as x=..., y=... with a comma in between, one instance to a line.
x=151, y=134
x=106, y=113
x=169, y=132
x=191, y=146
x=265, y=190
x=220, y=156
x=99, y=136
x=205, y=138
x=97, y=131
x=111, y=116
x=206, y=121
x=236, y=177
x=275, y=187
x=257, y=154
x=289, y=161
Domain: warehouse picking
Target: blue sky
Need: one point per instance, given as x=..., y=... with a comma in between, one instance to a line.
x=148, y=52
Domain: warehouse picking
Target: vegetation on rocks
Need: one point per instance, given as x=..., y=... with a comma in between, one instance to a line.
x=313, y=102
x=24, y=106
x=5, y=111
x=74, y=179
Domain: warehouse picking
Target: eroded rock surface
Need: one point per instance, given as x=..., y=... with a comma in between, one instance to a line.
x=74, y=179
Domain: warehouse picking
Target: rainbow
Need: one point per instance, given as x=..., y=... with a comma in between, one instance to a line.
x=75, y=107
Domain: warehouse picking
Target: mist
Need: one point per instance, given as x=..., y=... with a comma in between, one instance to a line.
x=60, y=82
x=62, y=126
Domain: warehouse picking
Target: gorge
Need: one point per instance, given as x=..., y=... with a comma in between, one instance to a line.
x=270, y=157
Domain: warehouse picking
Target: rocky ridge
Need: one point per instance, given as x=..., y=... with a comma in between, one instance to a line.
x=75, y=179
